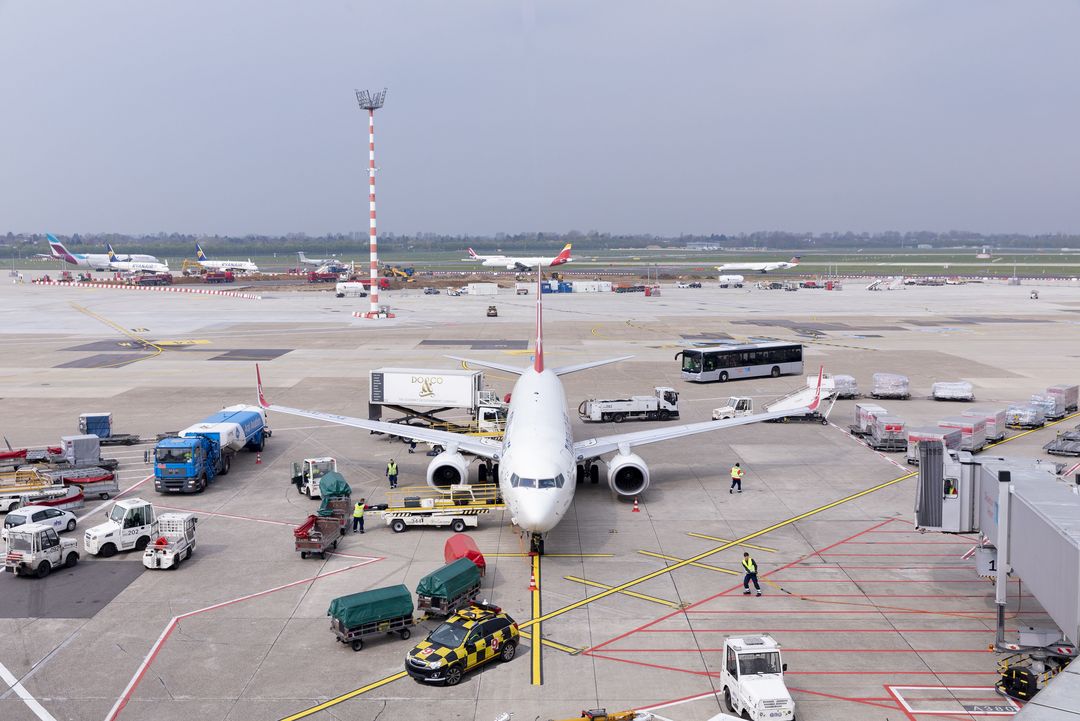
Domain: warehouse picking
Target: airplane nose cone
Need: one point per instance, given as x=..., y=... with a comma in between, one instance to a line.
x=534, y=512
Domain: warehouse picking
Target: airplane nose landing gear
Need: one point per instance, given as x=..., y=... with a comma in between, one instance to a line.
x=536, y=544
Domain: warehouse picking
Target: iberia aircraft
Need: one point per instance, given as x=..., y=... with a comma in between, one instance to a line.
x=522, y=263
x=538, y=463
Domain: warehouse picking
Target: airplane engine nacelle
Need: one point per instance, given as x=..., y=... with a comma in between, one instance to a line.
x=627, y=474
x=446, y=469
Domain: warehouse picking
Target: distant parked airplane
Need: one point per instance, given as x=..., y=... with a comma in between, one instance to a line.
x=96, y=261
x=522, y=263
x=317, y=261
x=758, y=267
x=245, y=266
x=115, y=263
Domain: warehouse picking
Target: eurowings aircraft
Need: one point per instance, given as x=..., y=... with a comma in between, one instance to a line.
x=96, y=261
x=758, y=267
x=245, y=266
x=522, y=264
x=538, y=463
x=115, y=263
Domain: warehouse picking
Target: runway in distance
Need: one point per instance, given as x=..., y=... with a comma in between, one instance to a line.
x=538, y=463
x=758, y=267
x=95, y=261
x=244, y=266
x=522, y=263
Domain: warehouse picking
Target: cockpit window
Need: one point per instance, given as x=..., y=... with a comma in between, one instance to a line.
x=517, y=481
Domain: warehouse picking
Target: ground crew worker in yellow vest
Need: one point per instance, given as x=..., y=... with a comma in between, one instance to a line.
x=736, y=479
x=391, y=473
x=358, y=516
x=750, y=566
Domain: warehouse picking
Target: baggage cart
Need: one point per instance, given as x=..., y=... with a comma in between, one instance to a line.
x=121, y=439
x=948, y=437
x=891, y=385
x=99, y=482
x=887, y=434
x=1065, y=444
x=1053, y=406
x=995, y=421
x=453, y=586
x=973, y=432
x=1068, y=393
x=952, y=391
x=864, y=418
x=378, y=611
x=1025, y=416
x=317, y=535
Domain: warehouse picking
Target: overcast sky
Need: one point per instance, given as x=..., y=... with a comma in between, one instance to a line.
x=231, y=116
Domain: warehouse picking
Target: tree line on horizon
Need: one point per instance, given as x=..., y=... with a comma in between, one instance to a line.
x=182, y=244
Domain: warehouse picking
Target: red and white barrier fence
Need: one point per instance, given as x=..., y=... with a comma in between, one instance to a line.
x=157, y=288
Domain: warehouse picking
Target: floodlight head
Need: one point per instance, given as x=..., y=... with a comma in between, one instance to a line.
x=370, y=100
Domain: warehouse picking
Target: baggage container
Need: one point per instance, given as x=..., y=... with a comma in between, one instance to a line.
x=81, y=450
x=995, y=421
x=482, y=289
x=845, y=386
x=973, y=431
x=864, y=417
x=1024, y=415
x=460, y=545
x=1069, y=395
x=891, y=385
x=888, y=433
x=1053, y=406
x=948, y=437
x=451, y=587
x=952, y=391
x=378, y=611
x=98, y=424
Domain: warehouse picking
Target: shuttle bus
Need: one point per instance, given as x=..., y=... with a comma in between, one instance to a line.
x=732, y=362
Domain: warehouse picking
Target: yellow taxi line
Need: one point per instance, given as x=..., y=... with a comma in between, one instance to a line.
x=706, y=566
x=526, y=635
x=535, y=654
x=635, y=594
x=345, y=697
x=1032, y=430
x=724, y=540
x=550, y=555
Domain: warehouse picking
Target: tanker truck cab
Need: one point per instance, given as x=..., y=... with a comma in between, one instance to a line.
x=753, y=679
x=191, y=459
x=132, y=523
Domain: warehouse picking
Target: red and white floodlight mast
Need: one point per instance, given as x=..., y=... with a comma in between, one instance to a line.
x=372, y=101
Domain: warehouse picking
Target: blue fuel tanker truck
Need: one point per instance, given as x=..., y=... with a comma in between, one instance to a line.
x=188, y=461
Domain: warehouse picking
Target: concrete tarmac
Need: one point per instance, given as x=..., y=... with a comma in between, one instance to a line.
x=877, y=621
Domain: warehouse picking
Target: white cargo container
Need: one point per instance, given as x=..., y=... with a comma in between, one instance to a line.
x=1069, y=395
x=864, y=417
x=585, y=286
x=426, y=388
x=973, y=431
x=949, y=437
x=605, y=286
x=350, y=289
x=482, y=289
x=995, y=421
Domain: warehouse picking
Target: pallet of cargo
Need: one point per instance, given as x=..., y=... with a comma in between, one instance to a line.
x=1066, y=444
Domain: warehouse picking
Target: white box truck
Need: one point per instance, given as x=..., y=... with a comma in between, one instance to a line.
x=482, y=289
x=425, y=388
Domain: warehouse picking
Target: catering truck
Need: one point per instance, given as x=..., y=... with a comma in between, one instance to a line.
x=192, y=458
x=422, y=394
x=752, y=676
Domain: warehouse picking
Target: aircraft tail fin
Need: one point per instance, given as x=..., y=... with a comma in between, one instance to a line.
x=59, y=251
x=795, y=259
x=563, y=256
x=199, y=252
x=472, y=253
x=538, y=358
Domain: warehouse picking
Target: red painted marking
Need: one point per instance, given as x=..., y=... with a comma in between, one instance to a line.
x=866, y=701
x=651, y=665
x=229, y=515
x=894, y=555
x=979, y=630
x=891, y=580
x=801, y=650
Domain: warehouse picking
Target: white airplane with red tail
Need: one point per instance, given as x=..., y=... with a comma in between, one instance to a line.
x=538, y=463
x=522, y=263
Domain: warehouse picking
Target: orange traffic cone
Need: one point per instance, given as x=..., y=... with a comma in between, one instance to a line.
x=636, y=509
x=258, y=458
x=532, y=581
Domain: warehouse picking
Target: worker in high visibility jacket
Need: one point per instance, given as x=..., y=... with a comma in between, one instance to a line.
x=736, y=478
x=750, y=566
x=358, y=516
x=391, y=473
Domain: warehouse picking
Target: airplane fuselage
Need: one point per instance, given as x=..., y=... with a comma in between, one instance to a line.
x=537, y=468
x=128, y=266
x=242, y=265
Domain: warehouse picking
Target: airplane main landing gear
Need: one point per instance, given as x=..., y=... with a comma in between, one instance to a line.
x=536, y=544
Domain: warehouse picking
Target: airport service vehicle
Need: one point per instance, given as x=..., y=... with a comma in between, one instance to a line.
x=741, y=406
x=602, y=714
x=449, y=588
x=317, y=535
x=537, y=461
x=316, y=276
x=148, y=278
x=192, y=458
x=758, y=267
x=453, y=293
x=378, y=611
x=235, y=266
x=457, y=506
x=421, y=394
x=100, y=482
x=350, y=288
x=731, y=281
x=131, y=526
x=175, y=543
x=35, y=549
x=748, y=360
x=219, y=276
x=492, y=312
x=54, y=518
x=431, y=291
x=753, y=679
x=662, y=405
x=306, y=474
x=468, y=639
x=522, y=263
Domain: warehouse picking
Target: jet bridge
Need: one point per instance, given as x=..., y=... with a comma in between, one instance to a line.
x=1028, y=518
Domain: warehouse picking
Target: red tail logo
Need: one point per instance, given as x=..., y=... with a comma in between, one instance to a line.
x=563, y=256
x=472, y=253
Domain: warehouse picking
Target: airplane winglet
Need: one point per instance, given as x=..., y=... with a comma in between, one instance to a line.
x=258, y=384
x=817, y=396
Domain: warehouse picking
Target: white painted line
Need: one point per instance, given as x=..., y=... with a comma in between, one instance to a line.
x=41, y=662
x=29, y=700
x=991, y=692
x=105, y=503
x=681, y=701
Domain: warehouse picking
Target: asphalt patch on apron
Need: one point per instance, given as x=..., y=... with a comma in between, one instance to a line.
x=706, y=336
x=252, y=354
x=99, y=346
x=103, y=360
x=479, y=344
x=78, y=592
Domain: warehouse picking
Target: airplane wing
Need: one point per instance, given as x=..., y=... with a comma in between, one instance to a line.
x=516, y=370
x=483, y=447
x=595, y=447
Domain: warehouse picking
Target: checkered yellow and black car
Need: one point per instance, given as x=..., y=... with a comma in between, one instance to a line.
x=469, y=638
